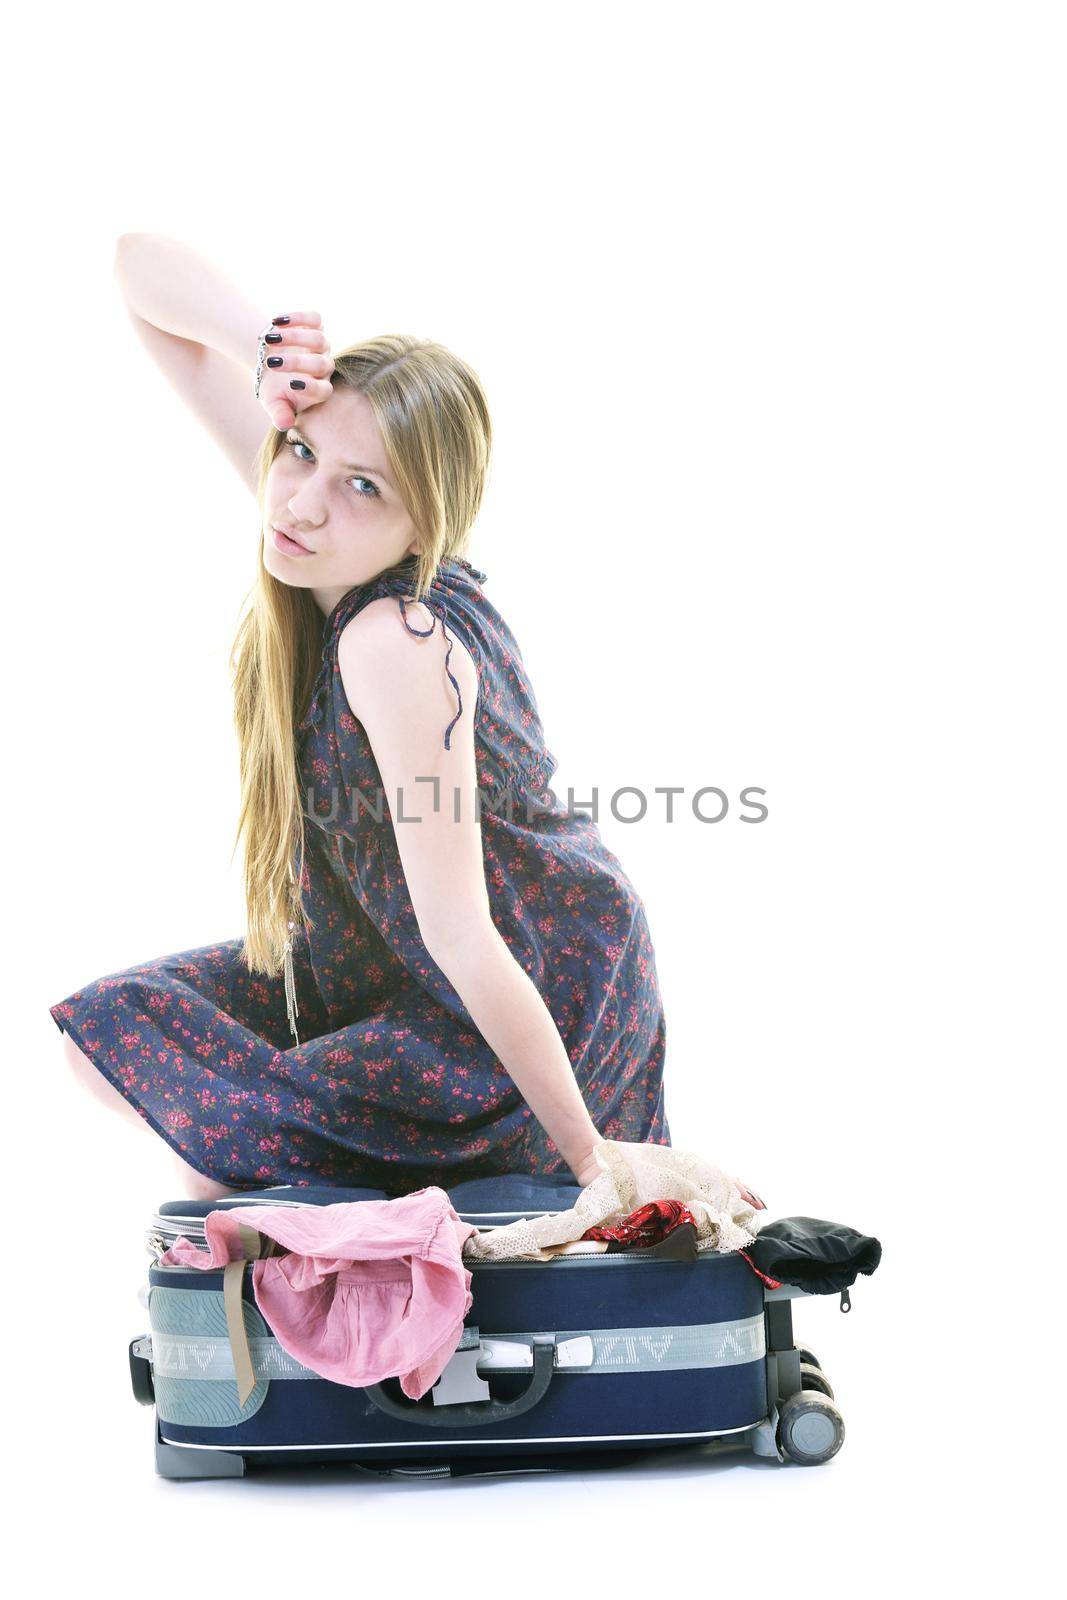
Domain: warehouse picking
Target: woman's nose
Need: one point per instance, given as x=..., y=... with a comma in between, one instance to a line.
x=304, y=511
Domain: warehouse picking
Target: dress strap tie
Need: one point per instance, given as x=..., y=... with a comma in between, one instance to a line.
x=424, y=633
x=289, y=975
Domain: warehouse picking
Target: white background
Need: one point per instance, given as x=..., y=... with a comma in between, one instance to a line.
x=768, y=303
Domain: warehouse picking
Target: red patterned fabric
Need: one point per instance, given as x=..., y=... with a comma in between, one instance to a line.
x=645, y=1226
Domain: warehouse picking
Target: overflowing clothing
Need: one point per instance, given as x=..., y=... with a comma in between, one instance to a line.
x=632, y=1176
x=369, y=1289
x=364, y=1291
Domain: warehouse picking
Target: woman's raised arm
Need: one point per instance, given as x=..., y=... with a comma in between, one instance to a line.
x=203, y=334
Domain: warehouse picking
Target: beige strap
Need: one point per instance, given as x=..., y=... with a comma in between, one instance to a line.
x=232, y=1282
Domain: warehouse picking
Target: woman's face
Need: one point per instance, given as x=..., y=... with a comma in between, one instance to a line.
x=329, y=487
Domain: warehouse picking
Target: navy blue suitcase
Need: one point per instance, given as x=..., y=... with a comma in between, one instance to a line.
x=568, y=1363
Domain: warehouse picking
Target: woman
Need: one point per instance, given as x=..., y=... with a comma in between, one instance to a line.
x=446, y=973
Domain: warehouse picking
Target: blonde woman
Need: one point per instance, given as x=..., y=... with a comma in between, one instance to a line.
x=445, y=974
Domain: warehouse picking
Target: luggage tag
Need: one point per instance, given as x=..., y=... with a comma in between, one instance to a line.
x=459, y=1382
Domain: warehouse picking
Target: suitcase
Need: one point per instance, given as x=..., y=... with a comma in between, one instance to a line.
x=579, y=1361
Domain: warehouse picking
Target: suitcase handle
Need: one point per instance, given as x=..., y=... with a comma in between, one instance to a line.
x=474, y=1413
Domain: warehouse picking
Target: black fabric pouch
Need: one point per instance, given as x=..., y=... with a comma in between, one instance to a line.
x=820, y=1257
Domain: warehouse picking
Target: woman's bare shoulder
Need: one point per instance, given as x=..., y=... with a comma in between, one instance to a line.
x=374, y=640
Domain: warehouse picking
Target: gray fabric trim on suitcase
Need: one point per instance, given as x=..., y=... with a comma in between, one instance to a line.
x=195, y=1355
x=184, y=1392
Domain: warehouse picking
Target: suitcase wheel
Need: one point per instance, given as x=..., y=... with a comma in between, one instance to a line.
x=807, y=1356
x=815, y=1378
x=810, y=1428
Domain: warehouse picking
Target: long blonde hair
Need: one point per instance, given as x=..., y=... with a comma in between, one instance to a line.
x=434, y=422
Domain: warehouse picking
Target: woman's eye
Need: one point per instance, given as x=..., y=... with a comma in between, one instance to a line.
x=371, y=492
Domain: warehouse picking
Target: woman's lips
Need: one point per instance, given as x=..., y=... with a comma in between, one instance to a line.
x=287, y=546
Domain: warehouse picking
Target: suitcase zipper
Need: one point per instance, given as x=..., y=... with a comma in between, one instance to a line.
x=157, y=1244
x=161, y=1236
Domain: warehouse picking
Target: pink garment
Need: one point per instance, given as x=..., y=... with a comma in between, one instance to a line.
x=372, y=1289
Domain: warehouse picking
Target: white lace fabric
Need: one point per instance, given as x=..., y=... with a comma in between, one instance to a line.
x=632, y=1175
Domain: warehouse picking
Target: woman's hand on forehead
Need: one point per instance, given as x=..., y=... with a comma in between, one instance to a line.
x=298, y=352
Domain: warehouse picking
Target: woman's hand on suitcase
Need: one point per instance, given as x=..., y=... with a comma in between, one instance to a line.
x=587, y=1172
x=589, y=1169
x=300, y=354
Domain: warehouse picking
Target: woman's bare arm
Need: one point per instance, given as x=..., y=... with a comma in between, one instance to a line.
x=396, y=686
x=203, y=334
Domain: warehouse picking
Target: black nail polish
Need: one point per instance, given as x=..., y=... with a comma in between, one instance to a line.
x=275, y=361
x=273, y=338
x=297, y=383
x=276, y=320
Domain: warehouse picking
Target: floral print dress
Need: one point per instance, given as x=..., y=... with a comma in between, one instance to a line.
x=388, y=1082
